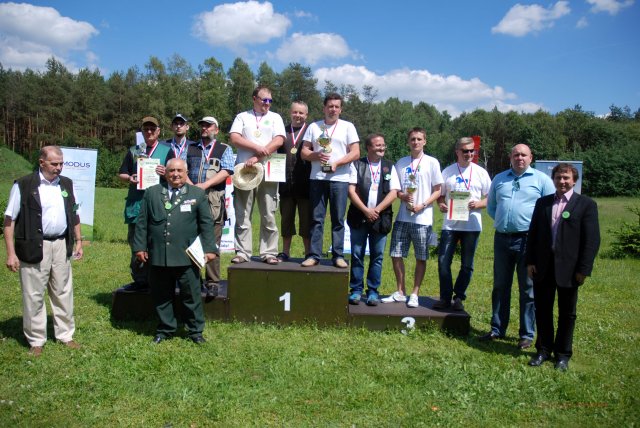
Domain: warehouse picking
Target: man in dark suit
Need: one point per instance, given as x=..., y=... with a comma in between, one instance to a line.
x=564, y=238
x=172, y=216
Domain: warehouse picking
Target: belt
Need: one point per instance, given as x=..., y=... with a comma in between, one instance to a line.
x=514, y=233
x=53, y=238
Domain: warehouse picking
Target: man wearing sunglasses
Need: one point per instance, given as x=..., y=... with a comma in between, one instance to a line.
x=512, y=197
x=152, y=148
x=256, y=134
x=464, y=194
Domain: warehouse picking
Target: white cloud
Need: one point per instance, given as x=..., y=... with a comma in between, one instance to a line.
x=582, y=23
x=521, y=20
x=311, y=48
x=451, y=93
x=611, y=6
x=302, y=14
x=234, y=25
x=29, y=35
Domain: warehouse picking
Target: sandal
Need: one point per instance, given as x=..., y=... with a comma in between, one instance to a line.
x=283, y=257
x=271, y=260
x=237, y=260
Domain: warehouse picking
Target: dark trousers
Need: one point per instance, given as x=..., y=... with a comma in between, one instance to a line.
x=163, y=283
x=544, y=292
x=212, y=268
x=139, y=271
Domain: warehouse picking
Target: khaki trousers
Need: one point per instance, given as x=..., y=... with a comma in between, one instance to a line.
x=53, y=273
x=266, y=194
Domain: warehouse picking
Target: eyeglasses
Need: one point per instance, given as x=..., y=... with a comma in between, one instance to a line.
x=179, y=124
x=265, y=100
x=150, y=129
x=467, y=151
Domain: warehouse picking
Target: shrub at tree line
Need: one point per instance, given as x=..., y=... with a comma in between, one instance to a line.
x=88, y=110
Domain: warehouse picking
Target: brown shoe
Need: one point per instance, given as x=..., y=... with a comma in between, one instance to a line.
x=72, y=344
x=340, y=263
x=309, y=261
x=35, y=351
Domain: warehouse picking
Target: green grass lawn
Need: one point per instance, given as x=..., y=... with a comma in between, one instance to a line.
x=265, y=375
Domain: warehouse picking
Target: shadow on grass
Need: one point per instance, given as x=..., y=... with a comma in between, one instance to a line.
x=143, y=322
x=12, y=328
x=505, y=346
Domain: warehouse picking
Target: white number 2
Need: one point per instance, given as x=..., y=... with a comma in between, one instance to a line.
x=286, y=298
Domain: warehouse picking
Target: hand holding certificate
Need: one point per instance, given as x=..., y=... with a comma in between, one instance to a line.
x=458, y=206
x=147, y=176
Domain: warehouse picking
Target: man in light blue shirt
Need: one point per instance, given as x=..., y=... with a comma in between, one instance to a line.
x=512, y=197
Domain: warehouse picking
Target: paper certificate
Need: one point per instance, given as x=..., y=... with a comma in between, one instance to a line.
x=196, y=253
x=275, y=168
x=458, y=206
x=147, y=176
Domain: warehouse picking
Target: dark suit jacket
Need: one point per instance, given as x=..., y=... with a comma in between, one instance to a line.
x=166, y=233
x=577, y=241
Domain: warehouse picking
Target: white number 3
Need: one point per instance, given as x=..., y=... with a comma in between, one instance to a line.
x=410, y=322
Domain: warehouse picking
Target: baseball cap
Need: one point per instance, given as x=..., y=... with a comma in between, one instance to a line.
x=150, y=119
x=208, y=119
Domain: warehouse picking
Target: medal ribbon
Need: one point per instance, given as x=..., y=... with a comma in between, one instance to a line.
x=468, y=186
x=208, y=156
x=153, y=149
x=177, y=154
x=293, y=135
x=375, y=175
x=413, y=171
x=335, y=125
x=258, y=120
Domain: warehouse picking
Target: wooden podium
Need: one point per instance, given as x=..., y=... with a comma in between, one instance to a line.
x=288, y=293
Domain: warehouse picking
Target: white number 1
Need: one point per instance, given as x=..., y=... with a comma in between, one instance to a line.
x=286, y=298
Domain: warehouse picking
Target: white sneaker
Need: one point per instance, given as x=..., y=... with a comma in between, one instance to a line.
x=395, y=297
x=413, y=301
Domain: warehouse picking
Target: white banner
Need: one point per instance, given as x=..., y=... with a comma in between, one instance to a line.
x=80, y=165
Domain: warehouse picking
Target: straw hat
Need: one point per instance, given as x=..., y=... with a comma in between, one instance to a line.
x=247, y=177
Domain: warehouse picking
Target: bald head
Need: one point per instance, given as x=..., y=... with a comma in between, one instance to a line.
x=521, y=158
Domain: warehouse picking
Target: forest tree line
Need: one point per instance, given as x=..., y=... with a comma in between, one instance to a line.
x=86, y=109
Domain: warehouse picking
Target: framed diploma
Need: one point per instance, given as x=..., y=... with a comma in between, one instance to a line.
x=275, y=168
x=458, y=206
x=147, y=176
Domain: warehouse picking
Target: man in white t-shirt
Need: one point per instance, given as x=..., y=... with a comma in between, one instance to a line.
x=329, y=177
x=464, y=194
x=257, y=133
x=420, y=178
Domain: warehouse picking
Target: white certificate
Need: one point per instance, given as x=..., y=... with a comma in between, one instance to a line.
x=458, y=206
x=275, y=168
x=147, y=176
x=196, y=252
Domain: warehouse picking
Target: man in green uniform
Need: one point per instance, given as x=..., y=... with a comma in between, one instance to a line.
x=172, y=216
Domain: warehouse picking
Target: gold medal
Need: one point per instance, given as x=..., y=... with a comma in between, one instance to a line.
x=294, y=150
x=257, y=133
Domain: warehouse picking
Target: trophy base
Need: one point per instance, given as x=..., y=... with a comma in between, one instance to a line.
x=326, y=168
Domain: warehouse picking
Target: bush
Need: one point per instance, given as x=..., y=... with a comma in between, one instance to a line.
x=627, y=238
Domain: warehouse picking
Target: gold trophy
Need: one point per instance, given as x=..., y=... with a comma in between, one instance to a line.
x=412, y=186
x=324, y=141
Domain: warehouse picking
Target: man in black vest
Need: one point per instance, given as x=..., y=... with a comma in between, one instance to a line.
x=373, y=186
x=41, y=216
x=151, y=148
x=210, y=162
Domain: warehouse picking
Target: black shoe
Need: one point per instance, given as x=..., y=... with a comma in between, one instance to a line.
x=158, y=338
x=489, y=337
x=212, y=289
x=538, y=359
x=198, y=339
x=135, y=287
x=562, y=365
x=283, y=257
x=525, y=343
x=442, y=304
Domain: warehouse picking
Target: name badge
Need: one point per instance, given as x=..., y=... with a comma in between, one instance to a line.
x=185, y=208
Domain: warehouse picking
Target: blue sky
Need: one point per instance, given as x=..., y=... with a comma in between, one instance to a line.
x=456, y=55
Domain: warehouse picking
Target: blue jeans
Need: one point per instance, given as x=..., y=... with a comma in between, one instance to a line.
x=509, y=255
x=448, y=241
x=377, y=242
x=321, y=193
